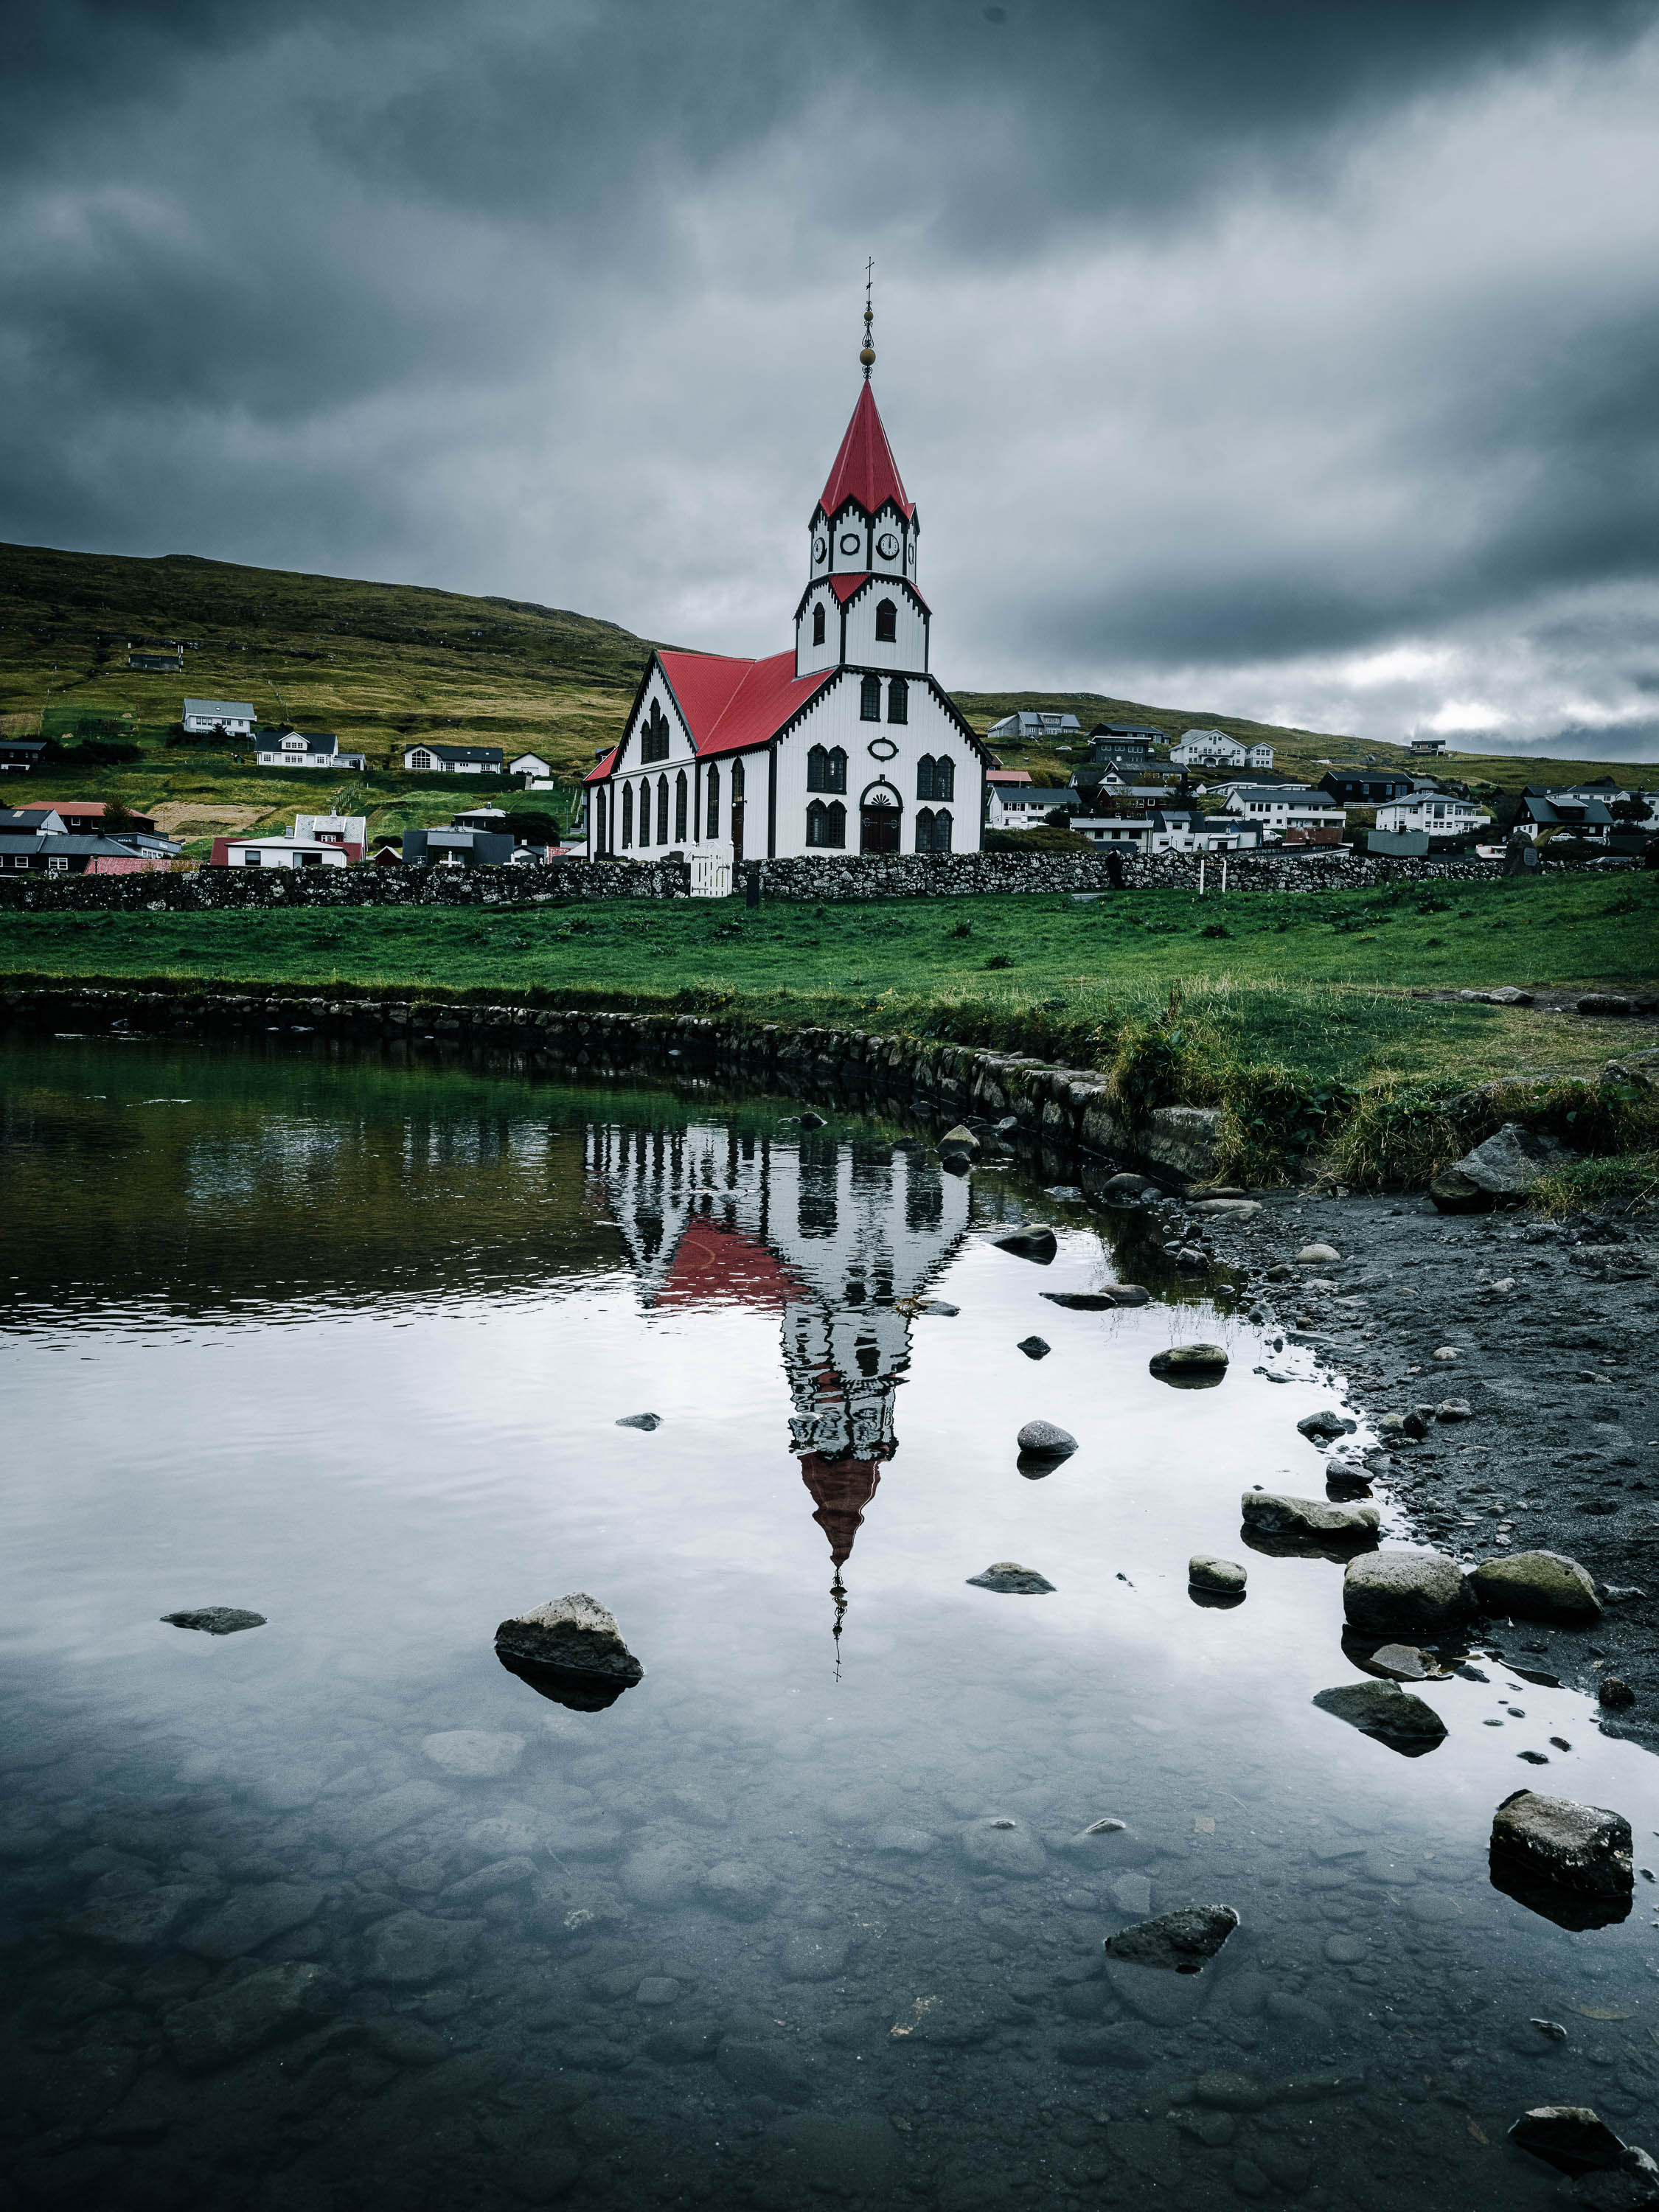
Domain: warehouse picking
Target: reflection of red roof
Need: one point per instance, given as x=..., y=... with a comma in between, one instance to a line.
x=864, y=469
x=714, y=1264
x=841, y=1489
x=729, y=704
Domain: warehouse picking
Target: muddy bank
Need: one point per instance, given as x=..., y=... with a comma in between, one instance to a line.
x=1552, y=1330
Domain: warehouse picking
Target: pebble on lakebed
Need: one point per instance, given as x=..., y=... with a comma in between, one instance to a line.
x=1180, y=1941
x=216, y=1619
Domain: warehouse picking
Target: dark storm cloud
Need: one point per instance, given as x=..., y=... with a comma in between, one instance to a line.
x=500, y=297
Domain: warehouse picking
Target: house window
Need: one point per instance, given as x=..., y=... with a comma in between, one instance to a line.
x=826, y=769
x=713, y=817
x=682, y=796
x=898, y=701
x=627, y=814
x=818, y=623
x=654, y=734
x=870, y=700
x=886, y=622
x=826, y=824
x=420, y=760
x=662, y=810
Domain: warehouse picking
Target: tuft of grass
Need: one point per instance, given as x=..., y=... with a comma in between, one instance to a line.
x=1628, y=1182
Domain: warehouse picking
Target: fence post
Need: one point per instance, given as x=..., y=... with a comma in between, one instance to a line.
x=1201, y=875
x=1223, y=875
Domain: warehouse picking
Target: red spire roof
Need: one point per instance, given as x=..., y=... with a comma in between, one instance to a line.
x=864, y=469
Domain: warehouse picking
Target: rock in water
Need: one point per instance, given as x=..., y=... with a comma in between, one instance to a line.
x=573, y=1638
x=1570, y=2138
x=959, y=1143
x=412, y=1948
x=1536, y=1586
x=1013, y=1580
x=1042, y=1440
x=1276, y=1514
x=1034, y=1347
x=1001, y=1845
x=1120, y=1294
x=646, y=1421
x=1405, y=1662
x=226, y=2025
x=1404, y=1593
x=1182, y=1941
x=1324, y=1427
x=1632, y=2186
x=216, y=1619
x=1511, y=1162
x=474, y=1754
x=1385, y=1710
x=1189, y=1366
x=1038, y=1244
x=1207, y=1572
x=252, y=1916
x=1581, y=1847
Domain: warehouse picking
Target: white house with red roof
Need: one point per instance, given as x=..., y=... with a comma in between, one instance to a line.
x=844, y=744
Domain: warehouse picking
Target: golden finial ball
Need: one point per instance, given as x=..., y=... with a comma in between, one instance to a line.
x=867, y=355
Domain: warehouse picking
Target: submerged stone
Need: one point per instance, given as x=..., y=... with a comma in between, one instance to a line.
x=216, y=1619
x=1183, y=1942
x=1013, y=1580
x=277, y=2000
x=252, y=1916
x=473, y=1754
x=1582, y=1847
x=1038, y=1244
x=1001, y=1845
x=1385, y=1710
x=572, y=1637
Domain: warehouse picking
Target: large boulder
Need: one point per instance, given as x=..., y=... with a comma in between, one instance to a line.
x=1571, y=1846
x=572, y=1636
x=1404, y=1594
x=1273, y=1514
x=1536, y=1586
x=1510, y=1162
x=1383, y=1709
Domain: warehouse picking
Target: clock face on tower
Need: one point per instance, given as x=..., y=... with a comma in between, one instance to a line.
x=849, y=542
x=820, y=547
x=887, y=545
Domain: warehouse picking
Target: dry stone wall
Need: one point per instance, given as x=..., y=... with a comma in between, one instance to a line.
x=1062, y=1109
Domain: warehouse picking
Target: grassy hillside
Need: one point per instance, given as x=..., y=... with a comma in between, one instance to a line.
x=383, y=664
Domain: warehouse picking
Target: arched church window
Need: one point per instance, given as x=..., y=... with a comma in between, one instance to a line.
x=886, y=622
x=944, y=777
x=925, y=767
x=870, y=700
x=736, y=782
x=898, y=701
x=645, y=811
x=941, y=832
x=924, y=829
x=627, y=814
x=826, y=769
x=713, y=802
x=654, y=734
x=682, y=796
x=826, y=823
x=662, y=810
x=818, y=623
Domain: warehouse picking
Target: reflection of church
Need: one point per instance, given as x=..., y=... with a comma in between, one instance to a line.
x=835, y=1237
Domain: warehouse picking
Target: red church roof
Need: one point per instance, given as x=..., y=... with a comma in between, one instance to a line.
x=864, y=469
x=728, y=704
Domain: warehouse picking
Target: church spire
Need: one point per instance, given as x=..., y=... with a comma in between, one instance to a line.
x=867, y=350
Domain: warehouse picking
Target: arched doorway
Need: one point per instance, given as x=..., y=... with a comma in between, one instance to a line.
x=881, y=815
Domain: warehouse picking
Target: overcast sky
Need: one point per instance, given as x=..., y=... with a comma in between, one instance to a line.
x=1296, y=359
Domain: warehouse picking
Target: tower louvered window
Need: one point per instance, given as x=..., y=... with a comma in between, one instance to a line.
x=886, y=622
x=818, y=623
x=654, y=734
x=870, y=700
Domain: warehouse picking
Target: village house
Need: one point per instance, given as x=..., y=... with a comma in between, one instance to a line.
x=38, y=839
x=1436, y=812
x=458, y=845
x=1035, y=729
x=316, y=841
x=536, y=772
x=20, y=753
x=229, y=718
x=1289, y=810
x=305, y=748
x=1369, y=787
x=453, y=760
x=86, y=817
x=1028, y=805
x=846, y=743
x=1215, y=749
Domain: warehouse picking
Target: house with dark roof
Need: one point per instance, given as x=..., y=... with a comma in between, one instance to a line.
x=845, y=743
x=305, y=748
x=453, y=760
x=230, y=718
x=20, y=753
x=86, y=817
x=1365, y=786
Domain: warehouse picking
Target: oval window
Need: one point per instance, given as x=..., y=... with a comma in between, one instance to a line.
x=849, y=542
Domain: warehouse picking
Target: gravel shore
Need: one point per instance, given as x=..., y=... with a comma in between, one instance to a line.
x=1548, y=1333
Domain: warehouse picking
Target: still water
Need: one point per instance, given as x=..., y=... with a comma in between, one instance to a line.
x=338, y=1909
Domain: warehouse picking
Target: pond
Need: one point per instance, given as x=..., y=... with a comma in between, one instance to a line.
x=338, y=1909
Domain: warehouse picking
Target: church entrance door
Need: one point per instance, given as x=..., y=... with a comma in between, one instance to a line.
x=879, y=822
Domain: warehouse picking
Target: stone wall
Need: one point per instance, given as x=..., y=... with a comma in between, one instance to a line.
x=1062, y=1110
x=820, y=882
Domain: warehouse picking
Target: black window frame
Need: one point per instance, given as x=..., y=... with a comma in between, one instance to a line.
x=870, y=699
x=898, y=699
x=626, y=817
x=654, y=735
x=828, y=819
x=662, y=810
x=886, y=622
x=819, y=626
x=682, y=806
x=712, y=816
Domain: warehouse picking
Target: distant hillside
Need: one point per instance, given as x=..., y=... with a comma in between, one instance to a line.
x=382, y=664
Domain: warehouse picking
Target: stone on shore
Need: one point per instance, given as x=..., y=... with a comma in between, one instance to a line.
x=1536, y=1586
x=226, y=2025
x=1038, y=1244
x=473, y=1754
x=1316, y=1256
x=1191, y=1365
x=1568, y=1846
x=1276, y=1514
x=1324, y=1428
x=1042, y=1440
x=1614, y=1692
x=1384, y=1710
x=1182, y=1941
x=1404, y=1593
x=1406, y=1663
x=572, y=1635
x=216, y=1619
x=1013, y=1580
x=1207, y=1572
x=1510, y=1161
x=1453, y=1191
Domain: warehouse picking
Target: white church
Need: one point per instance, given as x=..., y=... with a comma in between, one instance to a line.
x=846, y=744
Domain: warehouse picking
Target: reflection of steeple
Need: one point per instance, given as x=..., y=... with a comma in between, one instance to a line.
x=833, y=1237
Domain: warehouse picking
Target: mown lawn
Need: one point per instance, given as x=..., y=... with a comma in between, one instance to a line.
x=1319, y=983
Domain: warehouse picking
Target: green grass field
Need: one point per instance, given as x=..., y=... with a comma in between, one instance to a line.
x=1322, y=982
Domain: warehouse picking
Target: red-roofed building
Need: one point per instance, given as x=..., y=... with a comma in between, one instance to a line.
x=843, y=743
